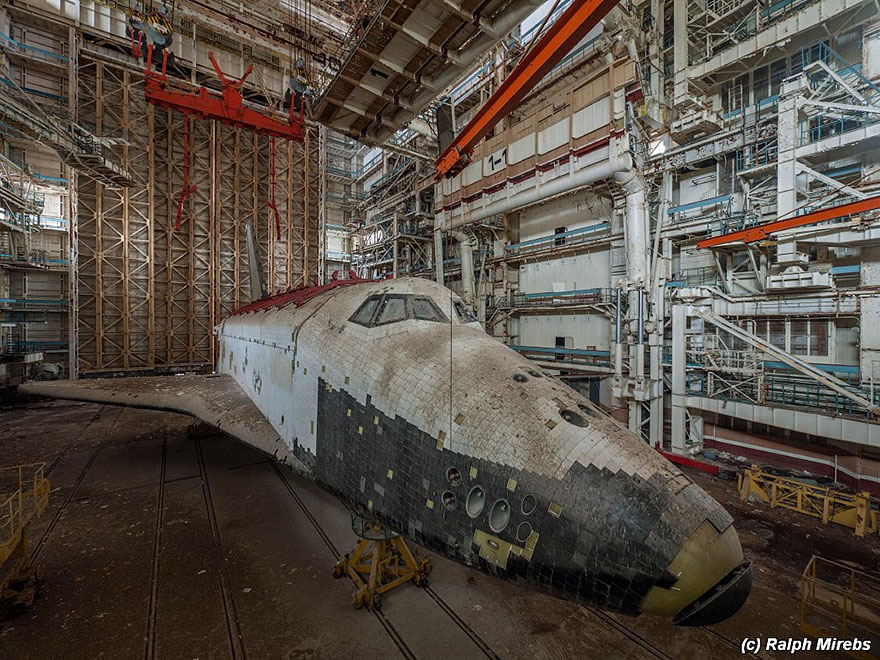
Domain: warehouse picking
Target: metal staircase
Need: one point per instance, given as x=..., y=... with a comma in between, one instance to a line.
x=846, y=390
x=74, y=145
x=834, y=79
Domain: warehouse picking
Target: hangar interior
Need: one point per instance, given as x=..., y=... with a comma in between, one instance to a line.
x=676, y=217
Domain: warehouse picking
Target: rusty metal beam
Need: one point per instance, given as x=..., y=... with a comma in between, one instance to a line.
x=761, y=232
x=574, y=24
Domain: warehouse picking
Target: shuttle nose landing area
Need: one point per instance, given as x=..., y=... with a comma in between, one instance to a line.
x=721, y=601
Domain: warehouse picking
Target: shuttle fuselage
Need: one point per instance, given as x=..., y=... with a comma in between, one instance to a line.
x=389, y=396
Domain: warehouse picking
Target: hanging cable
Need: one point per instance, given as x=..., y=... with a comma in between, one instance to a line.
x=187, y=189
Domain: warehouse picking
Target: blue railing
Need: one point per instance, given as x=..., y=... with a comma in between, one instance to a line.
x=581, y=233
x=789, y=389
x=573, y=356
x=824, y=126
x=756, y=155
x=39, y=51
x=35, y=92
x=822, y=51
x=782, y=8
x=693, y=206
x=19, y=346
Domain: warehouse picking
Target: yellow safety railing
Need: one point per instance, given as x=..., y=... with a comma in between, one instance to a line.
x=839, y=602
x=851, y=509
x=28, y=498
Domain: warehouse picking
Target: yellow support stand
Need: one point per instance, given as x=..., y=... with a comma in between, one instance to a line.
x=380, y=562
x=850, y=509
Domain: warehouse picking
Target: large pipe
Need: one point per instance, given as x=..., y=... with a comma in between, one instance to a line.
x=618, y=319
x=438, y=257
x=636, y=226
x=641, y=327
x=616, y=163
x=466, y=249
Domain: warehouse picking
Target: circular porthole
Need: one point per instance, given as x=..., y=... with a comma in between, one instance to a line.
x=587, y=409
x=453, y=476
x=528, y=504
x=476, y=500
x=499, y=516
x=572, y=417
x=449, y=500
x=523, y=532
x=535, y=374
x=519, y=378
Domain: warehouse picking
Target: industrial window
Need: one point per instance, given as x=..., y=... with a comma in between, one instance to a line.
x=391, y=310
x=761, y=83
x=464, y=313
x=799, y=338
x=777, y=334
x=809, y=337
x=365, y=312
x=424, y=309
x=818, y=337
x=778, y=72
x=559, y=240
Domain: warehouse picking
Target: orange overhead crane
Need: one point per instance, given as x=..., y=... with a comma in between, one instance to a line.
x=574, y=24
x=760, y=232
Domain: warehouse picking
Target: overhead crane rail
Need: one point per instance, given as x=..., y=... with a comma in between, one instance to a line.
x=580, y=17
x=764, y=231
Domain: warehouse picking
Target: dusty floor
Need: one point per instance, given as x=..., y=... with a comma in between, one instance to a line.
x=159, y=545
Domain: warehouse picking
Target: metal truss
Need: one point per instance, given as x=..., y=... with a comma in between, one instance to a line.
x=150, y=296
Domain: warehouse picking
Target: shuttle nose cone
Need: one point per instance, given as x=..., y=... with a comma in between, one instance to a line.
x=721, y=601
x=708, y=579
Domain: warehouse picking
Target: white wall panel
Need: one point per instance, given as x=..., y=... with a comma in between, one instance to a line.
x=521, y=149
x=587, y=331
x=584, y=271
x=472, y=173
x=553, y=136
x=594, y=116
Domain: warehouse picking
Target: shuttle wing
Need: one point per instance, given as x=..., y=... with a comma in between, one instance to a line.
x=215, y=399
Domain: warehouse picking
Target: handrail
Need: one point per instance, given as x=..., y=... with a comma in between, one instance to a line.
x=31, y=488
x=846, y=594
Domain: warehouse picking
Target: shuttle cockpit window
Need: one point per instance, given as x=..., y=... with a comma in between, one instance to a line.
x=464, y=312
x=394, y=307
x=424, y=309
x=391, y=310
x=364, y=314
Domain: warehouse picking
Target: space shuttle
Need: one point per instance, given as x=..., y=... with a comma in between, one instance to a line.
x=389, y=395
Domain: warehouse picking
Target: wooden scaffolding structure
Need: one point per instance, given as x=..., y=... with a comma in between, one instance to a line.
x=147, y=297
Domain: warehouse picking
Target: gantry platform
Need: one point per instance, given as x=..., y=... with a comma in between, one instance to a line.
x=156, y=544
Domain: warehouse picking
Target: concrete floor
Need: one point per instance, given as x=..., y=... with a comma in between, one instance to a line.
x=157, y=544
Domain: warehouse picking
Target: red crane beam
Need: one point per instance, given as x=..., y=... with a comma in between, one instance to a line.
x=760, y=232
x=574, y=24
x=228, y=108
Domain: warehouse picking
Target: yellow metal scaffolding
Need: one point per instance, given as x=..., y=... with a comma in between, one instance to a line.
x=24, y=495
x=840, y=606
x=852, y=510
